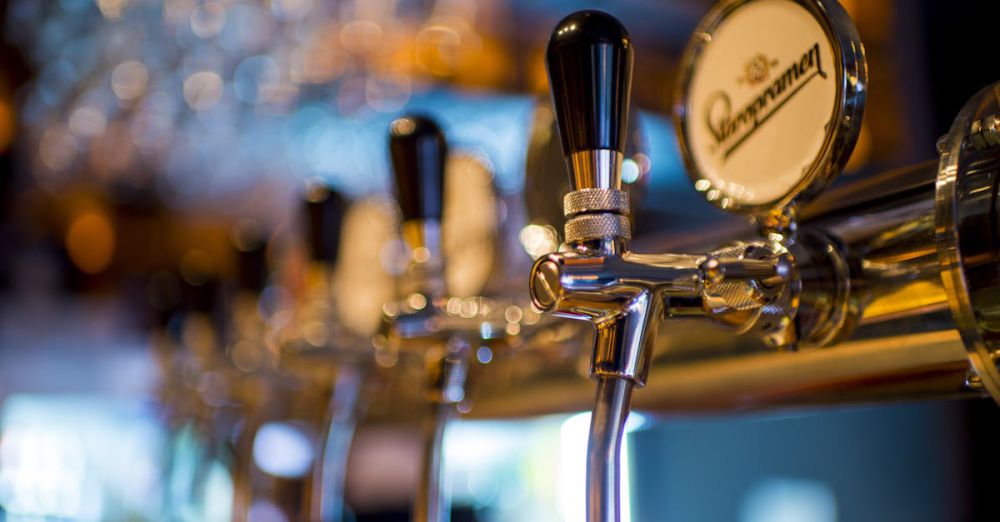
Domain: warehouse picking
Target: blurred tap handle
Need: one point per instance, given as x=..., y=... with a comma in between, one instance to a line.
x=590, y=58
x=323, y=216
x=252, y=270
x=203, y=296
x=419, y=151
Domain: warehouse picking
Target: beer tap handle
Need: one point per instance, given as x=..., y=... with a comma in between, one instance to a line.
x=252, y=271
x=418, y=151
x=323, y=210
x=590, y=57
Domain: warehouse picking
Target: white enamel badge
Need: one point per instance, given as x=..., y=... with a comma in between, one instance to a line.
x=767, y=106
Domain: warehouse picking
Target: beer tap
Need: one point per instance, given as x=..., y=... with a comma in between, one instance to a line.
x=245, y=392
x=442, y=329
x=180, y=416
x=418, y=150
x=629, y=296
x=323, y=216
x=198, y=445
x=314, y=383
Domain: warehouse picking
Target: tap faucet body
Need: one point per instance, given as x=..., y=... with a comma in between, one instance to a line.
x=627, y=295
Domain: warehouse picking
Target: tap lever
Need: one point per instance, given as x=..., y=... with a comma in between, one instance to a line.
x=590, y=58
x=323, y=213
x=252, y=270
x=418, y=151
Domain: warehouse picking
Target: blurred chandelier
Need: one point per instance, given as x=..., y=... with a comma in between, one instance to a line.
x=192, y=98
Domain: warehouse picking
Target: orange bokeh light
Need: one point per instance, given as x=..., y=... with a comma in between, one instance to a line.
x=90, y=242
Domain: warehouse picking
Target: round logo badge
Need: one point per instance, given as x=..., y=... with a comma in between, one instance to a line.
x=770, y=101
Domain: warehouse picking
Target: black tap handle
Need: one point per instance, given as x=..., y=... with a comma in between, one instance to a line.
x=202, y=296
x=323, y=213
x=590, y=58
x=418, y=151
x=252, y=270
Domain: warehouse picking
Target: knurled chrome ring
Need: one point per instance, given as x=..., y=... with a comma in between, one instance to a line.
x=595, y=200
x=597, y=226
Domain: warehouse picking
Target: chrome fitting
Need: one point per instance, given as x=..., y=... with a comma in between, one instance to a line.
x=595, y=200
x=586, y=227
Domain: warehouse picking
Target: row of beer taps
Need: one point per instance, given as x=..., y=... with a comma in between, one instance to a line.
x=749, y=287
x=248, y=372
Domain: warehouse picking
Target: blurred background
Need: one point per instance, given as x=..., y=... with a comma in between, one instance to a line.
x=153, y=156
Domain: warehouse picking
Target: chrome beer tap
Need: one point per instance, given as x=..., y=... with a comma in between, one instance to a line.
x=628, y=296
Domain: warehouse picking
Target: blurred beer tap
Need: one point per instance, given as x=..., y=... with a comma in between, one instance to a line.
x=197, y=447
x=245, y=390
x=442, y=330
x=171, y=297
x=296, y=375
x=164, y=292
x=419, y=151
x=324, y=354
x=627, y=295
